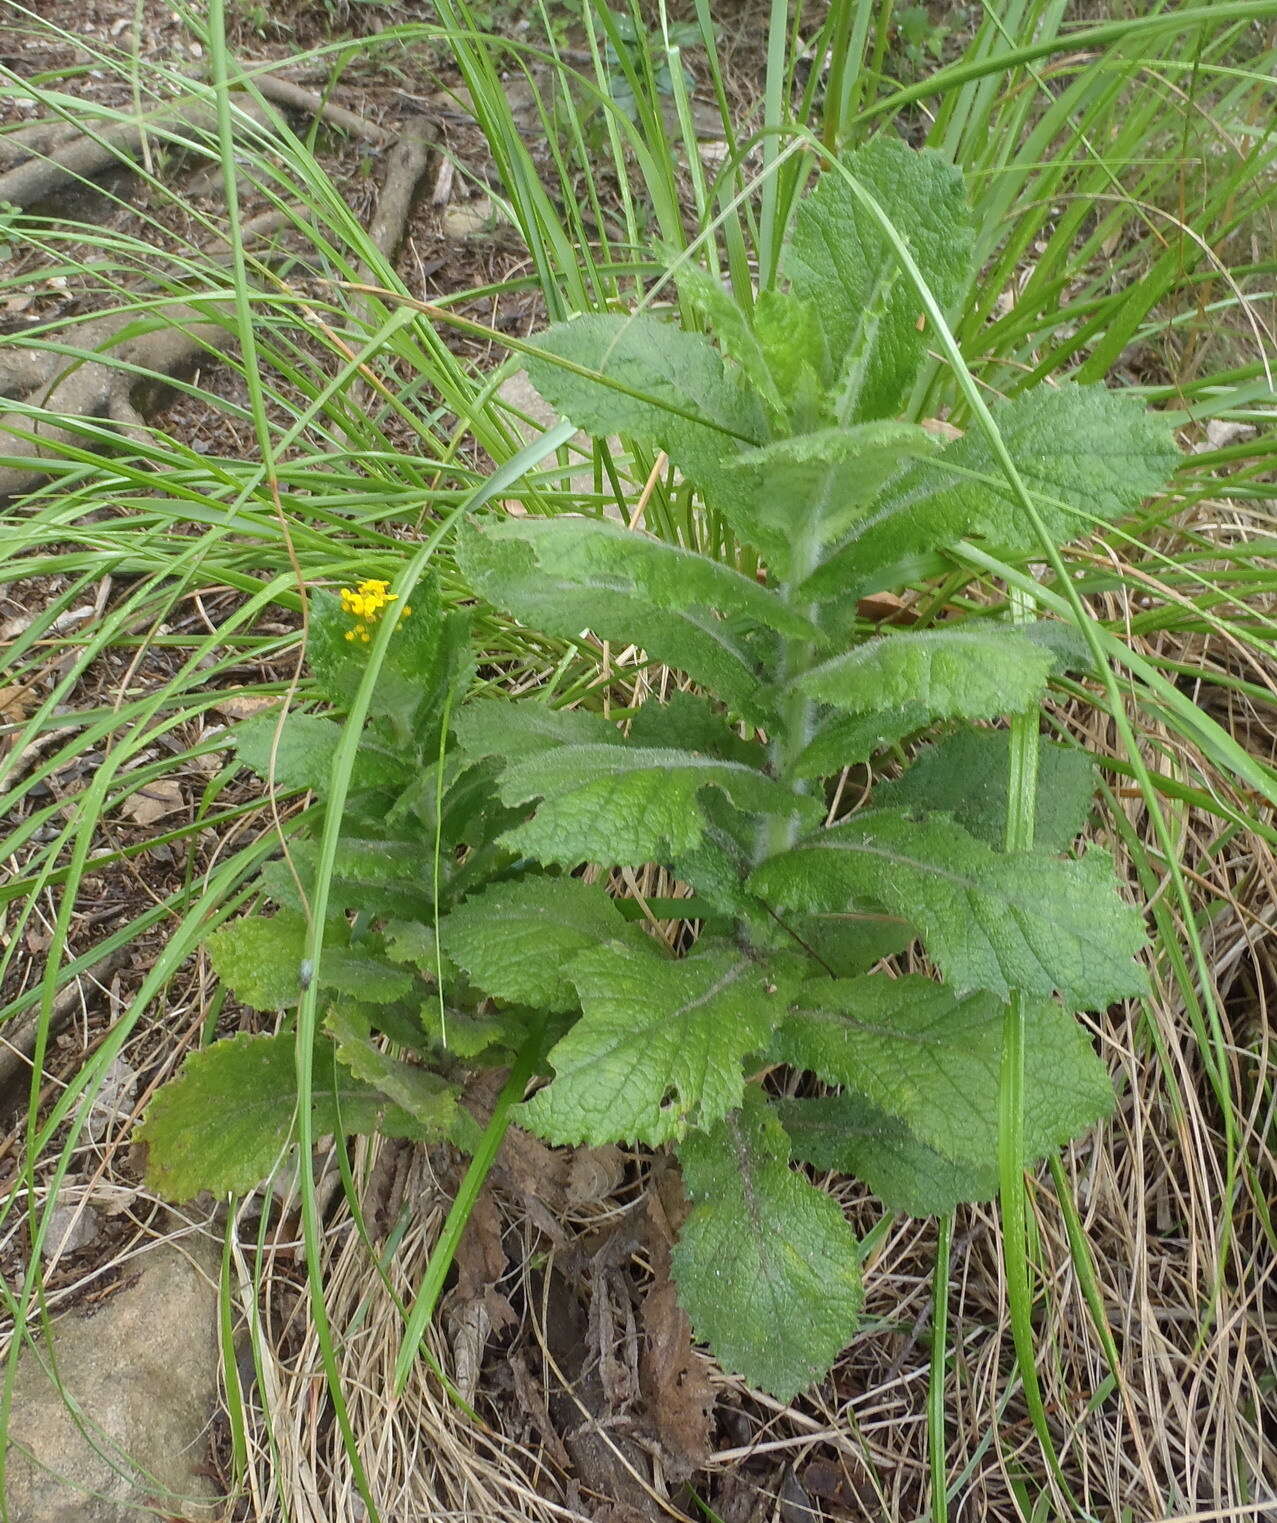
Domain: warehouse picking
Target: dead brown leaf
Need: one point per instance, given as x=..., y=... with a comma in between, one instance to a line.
x=593, y=1174
x=942, y=429
x=244, y=705
x=16, y=702
x=153, y=802
x=481, y=1261
x=532, y=1169
x=674, y=1379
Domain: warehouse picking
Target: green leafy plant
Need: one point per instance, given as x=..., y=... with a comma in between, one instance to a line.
x=919, y=38
x=630, y=48
x=471, y=908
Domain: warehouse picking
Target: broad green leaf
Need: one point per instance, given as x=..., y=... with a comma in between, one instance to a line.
x=336, y=662
x=669, y=387
x=295, y=754
x=977, y=673
x=659, y=1046
x=627, y=806
x=299, y=753
x=687, y=721
x=496, y=727
x=766, y=1265
x=1087, y=455
x=718, y=865
x=809, y=487
x=429, y=1099
x=278, y=883
x=848, y=1134
x=990, y=920
x=223, y=1124
x=793, y=344
x=402, y=1022
x=845, y=740
x=493, y=1039
x=471, y=814
x=428, y=654
x=1067, y=644
x=718, y=870
x=732, y=327
x=506, y=569
x=968, y=776
x=371, y=877
x=842, y=267
x=595, y=557
x=845, y=945
x=932, y=1060
x=372, y=873
x=515, y=940
x=364, y=971
x=411, y=942
x=259, y=959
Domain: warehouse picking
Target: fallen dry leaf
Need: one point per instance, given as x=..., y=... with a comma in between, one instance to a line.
x=593, y=1174
x=16, y=702
x=886, y=608
x=477, y=1309
x=154, y=801
x=675, y=1381
x=244, y=705
x=1221, y=432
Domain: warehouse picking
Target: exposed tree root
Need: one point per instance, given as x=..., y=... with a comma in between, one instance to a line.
x=38, y=138
x=86, y=155
x=118, y=378
x=92, y=388
x=45, y=157
x=285, y=92
x=405, y=166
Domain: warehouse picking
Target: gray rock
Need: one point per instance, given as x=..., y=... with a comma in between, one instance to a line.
x=467, y=219
x=141, y=1366
x=73, y=1225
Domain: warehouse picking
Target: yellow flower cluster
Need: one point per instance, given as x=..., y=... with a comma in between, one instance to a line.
x=365, y=605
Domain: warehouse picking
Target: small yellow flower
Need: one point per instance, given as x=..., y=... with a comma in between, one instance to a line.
x=365, y=604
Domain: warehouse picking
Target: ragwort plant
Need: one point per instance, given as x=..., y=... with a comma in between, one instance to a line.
x=461, y=930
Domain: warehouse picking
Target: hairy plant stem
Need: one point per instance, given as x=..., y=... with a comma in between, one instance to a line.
x=1012, y=1196
x=779, y=832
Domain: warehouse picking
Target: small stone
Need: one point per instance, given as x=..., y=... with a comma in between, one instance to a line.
x=463, y=219
x=72, y=1225
x=141, y=1367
